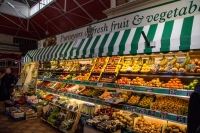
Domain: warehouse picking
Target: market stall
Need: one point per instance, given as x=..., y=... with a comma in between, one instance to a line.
x=136, y=79
x=157, y=85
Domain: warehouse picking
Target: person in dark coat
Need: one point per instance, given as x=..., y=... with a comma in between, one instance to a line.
x=194, y=111
x=9, y=81
x=2, y=92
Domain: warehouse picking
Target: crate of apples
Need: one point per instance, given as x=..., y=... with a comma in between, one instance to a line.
x=134, y=99
x=94, y=78
x=82, y=76
x=109, y=78
x=123, y=80
x=155, y=82
x=138, y=81
x=114, y=60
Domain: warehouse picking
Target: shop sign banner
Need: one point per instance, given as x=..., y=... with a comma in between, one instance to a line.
x=160, y=14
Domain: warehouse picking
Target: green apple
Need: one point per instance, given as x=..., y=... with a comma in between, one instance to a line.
x=196, y=80
x=192, y=88
x=186, y=87
x=191, y=85
x=195, y=83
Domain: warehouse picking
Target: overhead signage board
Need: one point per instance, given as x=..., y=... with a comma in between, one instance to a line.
x=159, y=14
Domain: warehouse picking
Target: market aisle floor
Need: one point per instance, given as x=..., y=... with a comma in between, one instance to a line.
x=7, y=125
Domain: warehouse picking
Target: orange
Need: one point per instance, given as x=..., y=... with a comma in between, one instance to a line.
x=176, y=84
x=176, y=87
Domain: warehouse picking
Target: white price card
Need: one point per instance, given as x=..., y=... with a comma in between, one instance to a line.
x=99, y=84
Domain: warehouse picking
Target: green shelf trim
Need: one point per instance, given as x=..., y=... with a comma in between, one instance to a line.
x=161, y=90
x=86, y=83
x=181, y=93
x=152, y=90
x=143, y=89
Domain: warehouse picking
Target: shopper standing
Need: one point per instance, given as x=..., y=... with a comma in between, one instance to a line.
x=2, y=92
x=9, y=81
x=193, y=125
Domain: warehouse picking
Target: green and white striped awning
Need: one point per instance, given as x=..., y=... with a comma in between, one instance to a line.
x=29, y=56
x=57, y=52
x=181, y=34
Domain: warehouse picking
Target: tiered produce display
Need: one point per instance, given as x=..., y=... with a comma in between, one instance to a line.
x=156, y=86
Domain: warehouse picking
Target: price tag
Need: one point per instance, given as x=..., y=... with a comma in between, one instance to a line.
x=81, y=82
x=181, y=119
x=121, y=86
x=132, y=88
x=129, y=69
x=149, y=89
x=172, y=91
x=130, y=108
x=180, y=60
x=116, y=86
x=152, y=113
x=99, y=84
x=90, y=83
x=105, y=85
x=73, y=81
x=141, y=110
x=189, y=93
x=163, y=115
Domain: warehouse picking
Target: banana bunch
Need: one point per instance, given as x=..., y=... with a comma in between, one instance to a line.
x=163, y=61
x=25, y=66
x=186, y=61
x=151, y=60
x=140, y=61
x=173, y=61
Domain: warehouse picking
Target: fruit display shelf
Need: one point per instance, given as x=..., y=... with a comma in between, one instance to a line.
x=134, y=88
x=61, y=106
x=143, y=111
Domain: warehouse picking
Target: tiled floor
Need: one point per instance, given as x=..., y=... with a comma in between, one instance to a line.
x=7, y=125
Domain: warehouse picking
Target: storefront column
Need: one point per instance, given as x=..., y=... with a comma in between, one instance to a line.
x=113, y=3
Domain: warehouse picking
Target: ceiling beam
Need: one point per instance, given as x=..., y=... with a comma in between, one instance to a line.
x=25, y=1
x=37, y=25
x=11, y=21
x=18, y=28
x=66, y=17
x=35, y=30
x=71, y=10
x=14, y=28
x=83, y=10
x=51, y=22
x=103, y=4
